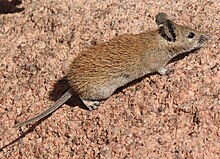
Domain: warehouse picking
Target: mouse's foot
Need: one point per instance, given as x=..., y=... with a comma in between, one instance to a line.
x=164, y=71
x=91, y=105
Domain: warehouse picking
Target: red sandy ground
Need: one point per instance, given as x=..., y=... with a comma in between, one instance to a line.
x=173, y=116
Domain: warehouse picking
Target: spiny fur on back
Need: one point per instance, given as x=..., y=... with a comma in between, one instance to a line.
x=103, y=63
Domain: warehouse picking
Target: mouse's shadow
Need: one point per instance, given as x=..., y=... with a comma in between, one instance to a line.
x=59, y=88
x=62, y=85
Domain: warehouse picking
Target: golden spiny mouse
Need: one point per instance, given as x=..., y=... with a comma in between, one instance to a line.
x=98, y=71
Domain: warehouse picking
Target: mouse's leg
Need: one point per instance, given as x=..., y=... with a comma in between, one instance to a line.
x=91, y=105
x=164, y=71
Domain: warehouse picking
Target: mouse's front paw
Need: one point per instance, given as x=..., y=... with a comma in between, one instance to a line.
x=164, y=71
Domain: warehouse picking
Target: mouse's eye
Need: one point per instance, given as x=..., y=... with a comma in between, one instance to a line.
x=191, y=35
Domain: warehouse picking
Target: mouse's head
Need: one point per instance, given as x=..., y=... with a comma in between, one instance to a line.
x=178, y=36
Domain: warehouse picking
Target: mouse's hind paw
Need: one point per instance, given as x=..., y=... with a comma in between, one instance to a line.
x=91, y=105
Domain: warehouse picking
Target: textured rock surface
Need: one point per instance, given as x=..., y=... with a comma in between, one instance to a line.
x=174, y=116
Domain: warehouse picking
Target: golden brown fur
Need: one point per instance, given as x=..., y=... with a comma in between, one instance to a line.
x=99, y=70
x=106, y=64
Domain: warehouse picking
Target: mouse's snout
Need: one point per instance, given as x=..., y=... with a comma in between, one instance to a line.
x=203, y=39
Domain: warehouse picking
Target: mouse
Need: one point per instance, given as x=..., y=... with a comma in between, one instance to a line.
x=99, y=70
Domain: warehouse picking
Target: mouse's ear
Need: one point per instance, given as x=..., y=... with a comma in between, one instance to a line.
x=161, y=18
x=167, y=30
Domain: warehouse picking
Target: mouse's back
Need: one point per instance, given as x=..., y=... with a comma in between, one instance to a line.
x=109, y=65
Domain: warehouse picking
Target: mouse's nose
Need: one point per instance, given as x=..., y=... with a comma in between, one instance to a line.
x=203, y=39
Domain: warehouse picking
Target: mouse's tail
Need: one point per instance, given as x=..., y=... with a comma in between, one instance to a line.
x=50, y=110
